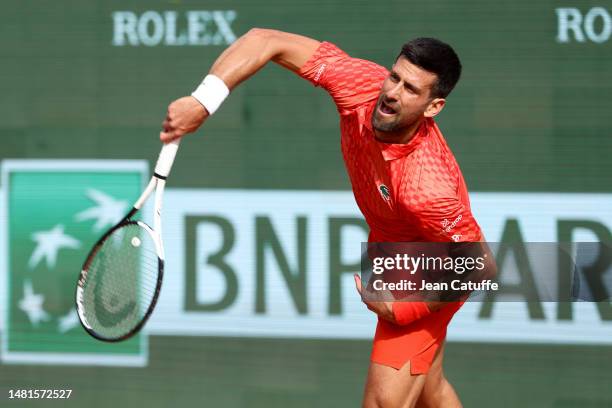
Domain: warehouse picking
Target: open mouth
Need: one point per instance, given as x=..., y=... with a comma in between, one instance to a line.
x=386, y=109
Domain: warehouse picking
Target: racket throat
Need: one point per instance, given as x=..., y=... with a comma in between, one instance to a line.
x=129, y=215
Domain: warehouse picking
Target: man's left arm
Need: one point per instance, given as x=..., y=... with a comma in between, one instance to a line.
x=446, y=221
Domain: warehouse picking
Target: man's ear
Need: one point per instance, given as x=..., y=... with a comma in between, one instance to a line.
x=435, y=106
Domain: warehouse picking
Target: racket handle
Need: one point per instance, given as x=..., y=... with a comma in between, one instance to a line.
x=166, y=158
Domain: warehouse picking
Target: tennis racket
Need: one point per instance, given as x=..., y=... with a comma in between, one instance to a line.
x=121, y=278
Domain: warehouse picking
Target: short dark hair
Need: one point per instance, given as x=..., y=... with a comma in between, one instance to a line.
x=437, y=57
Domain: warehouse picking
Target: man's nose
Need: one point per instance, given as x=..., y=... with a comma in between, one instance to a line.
x=393, y=93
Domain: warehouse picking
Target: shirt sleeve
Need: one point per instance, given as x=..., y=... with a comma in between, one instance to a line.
x=449, y=220
x=350, y=81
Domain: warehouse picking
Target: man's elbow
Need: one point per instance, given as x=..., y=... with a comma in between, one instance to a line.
x=264, y=34
x=264, y=40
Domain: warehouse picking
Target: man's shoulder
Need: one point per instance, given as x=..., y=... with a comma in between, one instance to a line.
x=432, y=179
x=437, y=161
x=350, y=81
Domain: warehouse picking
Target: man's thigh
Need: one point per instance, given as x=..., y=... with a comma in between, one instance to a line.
x=437, y=391
x=387, y=387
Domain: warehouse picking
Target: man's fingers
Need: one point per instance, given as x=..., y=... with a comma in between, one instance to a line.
x=357, y=283
x=163, y=136
x=182, y=118
x=166, y=137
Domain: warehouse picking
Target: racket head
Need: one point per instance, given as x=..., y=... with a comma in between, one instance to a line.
x=120, y=282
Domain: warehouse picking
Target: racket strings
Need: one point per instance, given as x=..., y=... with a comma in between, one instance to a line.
x=121, y=281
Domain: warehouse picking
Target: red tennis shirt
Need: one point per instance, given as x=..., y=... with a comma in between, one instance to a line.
x=411, y=192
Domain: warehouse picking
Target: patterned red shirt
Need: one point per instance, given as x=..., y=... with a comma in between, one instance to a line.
x=410, y=192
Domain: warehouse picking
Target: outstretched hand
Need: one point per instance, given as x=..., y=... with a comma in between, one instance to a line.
x=185, y=115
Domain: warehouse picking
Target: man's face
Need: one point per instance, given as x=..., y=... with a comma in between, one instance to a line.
x=405, y=97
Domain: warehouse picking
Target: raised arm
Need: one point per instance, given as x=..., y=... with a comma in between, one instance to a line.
x=238, y=62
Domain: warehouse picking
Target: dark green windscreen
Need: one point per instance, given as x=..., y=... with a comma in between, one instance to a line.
x=531, y=113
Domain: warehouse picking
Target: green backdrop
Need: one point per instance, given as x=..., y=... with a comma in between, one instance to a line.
x=529, y=114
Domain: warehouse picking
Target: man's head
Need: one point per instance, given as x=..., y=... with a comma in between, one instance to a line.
x=425, y=72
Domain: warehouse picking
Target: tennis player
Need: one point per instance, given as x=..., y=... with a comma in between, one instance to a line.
x=404, y=177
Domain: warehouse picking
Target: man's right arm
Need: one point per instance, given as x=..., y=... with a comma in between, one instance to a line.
x=237, y=63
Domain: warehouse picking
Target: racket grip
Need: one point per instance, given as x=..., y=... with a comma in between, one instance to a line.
x=166, y=158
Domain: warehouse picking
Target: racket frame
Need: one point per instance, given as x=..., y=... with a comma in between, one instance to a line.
x=157, y=184
x=83, y=277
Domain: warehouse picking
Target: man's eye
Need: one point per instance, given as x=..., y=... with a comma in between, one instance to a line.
x=394, y=78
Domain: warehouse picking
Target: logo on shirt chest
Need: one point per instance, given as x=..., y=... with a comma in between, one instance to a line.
x=384, y=192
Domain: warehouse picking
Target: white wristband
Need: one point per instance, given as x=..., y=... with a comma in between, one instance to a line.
x=211, y=93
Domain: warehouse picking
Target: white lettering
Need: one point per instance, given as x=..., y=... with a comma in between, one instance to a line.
x=157, y=22
x=569, y=19
x=596, y=25
x=171, y=38
x=416, y=262
x=589, y=25
x=377, y=284
x=124, y=25
x=223, y=19
x=378, y=269
x=197, y=21
x=319, y=72
x=152, y=28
